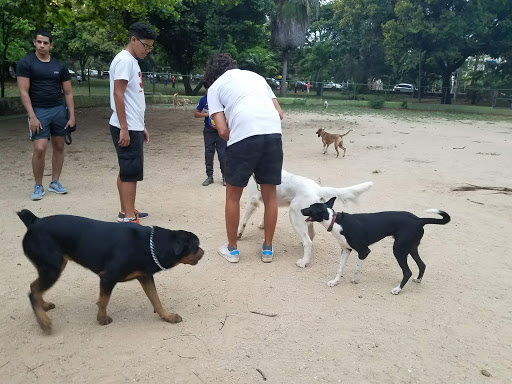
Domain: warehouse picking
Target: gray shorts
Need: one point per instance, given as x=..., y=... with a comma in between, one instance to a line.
x=53, y=120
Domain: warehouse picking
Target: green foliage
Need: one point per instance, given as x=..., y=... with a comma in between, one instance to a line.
x=377, y=102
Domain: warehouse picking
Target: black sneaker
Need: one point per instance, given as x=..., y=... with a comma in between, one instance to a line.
x=208, y=181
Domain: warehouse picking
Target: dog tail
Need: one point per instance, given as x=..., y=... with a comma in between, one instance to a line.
x=27, y=217
x=345, y=134
x=445, y=217
x=345, y=194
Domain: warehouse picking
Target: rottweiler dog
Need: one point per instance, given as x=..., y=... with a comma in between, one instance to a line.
x=115, y=252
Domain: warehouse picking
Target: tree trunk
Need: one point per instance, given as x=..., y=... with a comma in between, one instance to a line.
x=284, y=73
x=3, y=62
x=446, y=97
x=186, y=83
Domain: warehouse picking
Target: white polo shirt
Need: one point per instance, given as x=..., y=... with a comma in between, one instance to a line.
x=125, y=67
x=246, y=100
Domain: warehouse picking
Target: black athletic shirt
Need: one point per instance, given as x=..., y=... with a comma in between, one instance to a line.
x=45, y=80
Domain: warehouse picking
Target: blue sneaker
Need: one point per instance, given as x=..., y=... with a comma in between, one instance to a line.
x=57, y=187
x=267, y=255
x=38, y=192
x=231, y=256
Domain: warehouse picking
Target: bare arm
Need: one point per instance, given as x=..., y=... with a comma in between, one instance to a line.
x=220, y=125
x=24, y=86
x=68, y=96
x=278, y=107
x=119, y=90
x=198, y=114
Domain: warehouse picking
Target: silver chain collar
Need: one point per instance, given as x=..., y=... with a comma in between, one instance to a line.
x=152, y=249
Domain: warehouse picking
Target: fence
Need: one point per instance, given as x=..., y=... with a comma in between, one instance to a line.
x=95, y=83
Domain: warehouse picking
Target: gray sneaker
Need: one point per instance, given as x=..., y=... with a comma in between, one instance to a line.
x=208, y=181
x=38, y=192
x=57, y=187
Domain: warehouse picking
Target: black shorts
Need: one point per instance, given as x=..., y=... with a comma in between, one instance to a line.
x=130, y=158
x=261, y=155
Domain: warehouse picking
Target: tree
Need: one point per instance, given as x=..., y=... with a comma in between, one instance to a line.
x=446, y=33
x=361, y=39
x=288, y=29
x=14, y=30
x=83, y=40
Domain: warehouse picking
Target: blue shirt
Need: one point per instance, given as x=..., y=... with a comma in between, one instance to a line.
x=203, y=107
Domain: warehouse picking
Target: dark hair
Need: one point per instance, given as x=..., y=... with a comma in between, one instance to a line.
x=142, y=31
x=216, y=66
x=43, y=32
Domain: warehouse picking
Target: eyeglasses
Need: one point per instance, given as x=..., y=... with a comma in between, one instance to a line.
x=147, y=47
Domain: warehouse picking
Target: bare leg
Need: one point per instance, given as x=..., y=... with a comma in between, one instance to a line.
x=232, y=212
x=38, y=159
x=57, y=156
x=127, y=193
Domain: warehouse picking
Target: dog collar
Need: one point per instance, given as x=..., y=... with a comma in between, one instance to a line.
x=152, y=249
x=332, y=222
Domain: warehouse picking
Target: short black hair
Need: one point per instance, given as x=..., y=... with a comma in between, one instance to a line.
x=216, y=66
x=43, y=32
x=142, y=31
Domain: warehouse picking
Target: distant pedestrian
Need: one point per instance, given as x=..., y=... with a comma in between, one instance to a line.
x=79, y=79
x=173, y=81
x=166, y=80
x=308, y=86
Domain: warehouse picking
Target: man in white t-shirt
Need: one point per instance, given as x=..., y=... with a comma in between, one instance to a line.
x=253, y=115
x=127, y=121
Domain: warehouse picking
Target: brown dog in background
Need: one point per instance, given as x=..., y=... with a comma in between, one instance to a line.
x=329, y=138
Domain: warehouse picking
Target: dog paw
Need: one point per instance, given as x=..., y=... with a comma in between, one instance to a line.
x=104, y=320
x=417, y=280
x=261, y=225
x=332, y=283
x=47, y=306
x=301, y=263
x=396, y=291
x=172, y=318
x=45, y=324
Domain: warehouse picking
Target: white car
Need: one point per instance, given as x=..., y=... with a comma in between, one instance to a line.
x=404, y=87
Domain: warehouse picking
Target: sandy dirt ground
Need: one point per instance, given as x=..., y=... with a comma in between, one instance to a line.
x=451, y=328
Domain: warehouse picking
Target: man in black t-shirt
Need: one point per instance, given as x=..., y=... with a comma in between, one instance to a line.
x=42, y=81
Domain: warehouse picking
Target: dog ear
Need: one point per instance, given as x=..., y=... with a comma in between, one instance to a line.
x=330, y=203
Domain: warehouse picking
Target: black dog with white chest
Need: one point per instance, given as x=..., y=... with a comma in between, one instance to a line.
x=359, y=231
x=115, y=252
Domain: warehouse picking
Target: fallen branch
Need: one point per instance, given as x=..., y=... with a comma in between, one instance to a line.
x=472, y=187
x=459, y=147
x=476, y=202
x=262, y=374
x=264, y=314
x=223, y=322
x=405, y=133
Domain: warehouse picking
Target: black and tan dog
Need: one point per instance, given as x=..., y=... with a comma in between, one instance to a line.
x=359, y=231
x=329, y=138
x=115, y=252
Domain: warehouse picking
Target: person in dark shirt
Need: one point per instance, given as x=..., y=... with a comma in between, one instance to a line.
x=42, y=81
x=212, y=142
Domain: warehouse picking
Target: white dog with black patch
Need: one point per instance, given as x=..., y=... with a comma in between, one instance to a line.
x=299, y=192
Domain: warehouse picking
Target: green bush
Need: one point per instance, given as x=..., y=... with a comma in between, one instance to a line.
x=377, y=102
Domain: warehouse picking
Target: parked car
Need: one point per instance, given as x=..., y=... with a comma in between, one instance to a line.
x=93, y=72
x=71, y=73
x=274, y=84
x=329, y=85
x=301, y=85
x=404, y=87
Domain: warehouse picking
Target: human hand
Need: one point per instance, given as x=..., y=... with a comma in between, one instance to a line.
x=71, y=122
x=35, y=125
x=124, y=138
x=146, y=135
